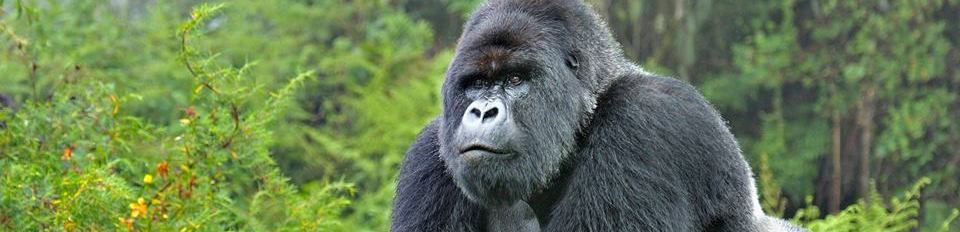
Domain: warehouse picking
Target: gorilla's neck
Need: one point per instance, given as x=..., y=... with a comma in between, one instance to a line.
x=544, y=201
x=518, y=217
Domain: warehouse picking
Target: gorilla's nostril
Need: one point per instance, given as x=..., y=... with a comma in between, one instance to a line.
x=492, y=113
x=484, y=111
x=475, y=112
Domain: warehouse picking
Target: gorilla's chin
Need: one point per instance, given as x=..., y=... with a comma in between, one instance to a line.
x=493, y=179
x=493, y=189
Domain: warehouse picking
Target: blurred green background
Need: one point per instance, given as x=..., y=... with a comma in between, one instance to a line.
x=294, y=114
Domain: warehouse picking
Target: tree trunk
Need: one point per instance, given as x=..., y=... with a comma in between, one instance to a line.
x=867, y=108
x=835, y=193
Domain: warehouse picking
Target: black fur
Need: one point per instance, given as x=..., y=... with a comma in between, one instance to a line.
x=593, y=143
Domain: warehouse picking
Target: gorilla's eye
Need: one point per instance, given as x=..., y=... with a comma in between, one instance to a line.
x=515, y=80
x=479, y=83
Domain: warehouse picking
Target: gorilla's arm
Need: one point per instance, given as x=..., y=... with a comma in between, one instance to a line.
x=655, y=157
x=426, y=197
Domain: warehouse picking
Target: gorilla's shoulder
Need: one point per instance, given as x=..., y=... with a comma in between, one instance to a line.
x=647, y=104
x=427, y=141
x=646, y=90
x=423, y=180
x=423, y=158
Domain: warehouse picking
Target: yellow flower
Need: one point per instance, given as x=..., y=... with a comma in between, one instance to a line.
x=127, y=222
x=148, y=179
x=67, y=153
x=69, y=225
x=138, y=209
x=116, y=107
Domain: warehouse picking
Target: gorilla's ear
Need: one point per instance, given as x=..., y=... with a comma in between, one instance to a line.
x=573, y=62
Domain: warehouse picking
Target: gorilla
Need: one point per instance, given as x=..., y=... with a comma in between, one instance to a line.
x=547, y=127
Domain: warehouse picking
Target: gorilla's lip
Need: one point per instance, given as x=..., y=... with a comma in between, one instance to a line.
x=478, y=149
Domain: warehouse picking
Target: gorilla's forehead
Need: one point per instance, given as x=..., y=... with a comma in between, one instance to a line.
x=493, y=60
x=504, y=39
x=505, y=30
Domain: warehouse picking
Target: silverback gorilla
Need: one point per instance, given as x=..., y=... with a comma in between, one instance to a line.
x=547, y=127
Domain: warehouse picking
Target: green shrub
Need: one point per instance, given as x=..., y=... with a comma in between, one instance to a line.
x=77, y=160
x=871, y=214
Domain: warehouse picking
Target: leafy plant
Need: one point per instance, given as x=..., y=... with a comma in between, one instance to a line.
x=75, y=160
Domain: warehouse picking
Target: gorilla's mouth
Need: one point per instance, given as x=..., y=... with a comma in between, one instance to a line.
x=477, y=150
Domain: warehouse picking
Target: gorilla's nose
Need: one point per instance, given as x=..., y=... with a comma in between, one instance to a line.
x=484, y=114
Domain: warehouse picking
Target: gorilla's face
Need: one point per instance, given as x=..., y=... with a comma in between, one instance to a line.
x=512, y=108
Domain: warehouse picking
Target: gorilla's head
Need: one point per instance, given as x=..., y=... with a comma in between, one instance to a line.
x=523, y=84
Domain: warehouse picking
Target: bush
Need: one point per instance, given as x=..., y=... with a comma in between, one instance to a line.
x=374, y=83
x=76, y=159
x=872, y=214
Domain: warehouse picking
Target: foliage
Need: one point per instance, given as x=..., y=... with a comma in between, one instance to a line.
x=872, y=214
x=377, y=80
x=77, y=160
x=854, y=90
x=869, y=214
x=386, y=85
